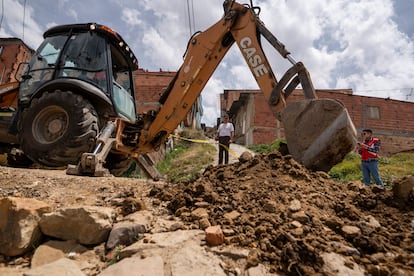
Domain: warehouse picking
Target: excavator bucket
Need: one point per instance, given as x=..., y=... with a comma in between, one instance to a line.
x=319, y=132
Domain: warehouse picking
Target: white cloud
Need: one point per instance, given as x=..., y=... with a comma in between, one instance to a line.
x=242, y=77
x=210, y=97
x=159, y=51
x=344, y=44
x=131, y=17
x=72, y=14
x=19, y=23
x=375, y=54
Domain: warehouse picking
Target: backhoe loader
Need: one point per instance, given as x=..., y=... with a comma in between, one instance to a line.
x=75, y=103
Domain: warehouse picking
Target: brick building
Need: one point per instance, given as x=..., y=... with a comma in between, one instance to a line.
x=13, y=51
x=391, y=120
x=149, y=86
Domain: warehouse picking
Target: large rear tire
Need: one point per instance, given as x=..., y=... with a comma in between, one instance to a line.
x=57, y=128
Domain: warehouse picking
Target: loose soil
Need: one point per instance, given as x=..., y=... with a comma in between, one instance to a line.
x=284, y=214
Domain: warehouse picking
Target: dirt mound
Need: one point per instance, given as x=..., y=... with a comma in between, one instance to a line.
x=291, y=216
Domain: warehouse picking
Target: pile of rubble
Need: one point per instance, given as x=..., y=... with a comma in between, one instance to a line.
x=294, y=220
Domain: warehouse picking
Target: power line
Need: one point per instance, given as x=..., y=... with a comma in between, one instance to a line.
x=189, y=17
x=395, y=93
x=192, y=10
x=190, y=14
x=2, y=13
x=391, y=89
x=24, y=16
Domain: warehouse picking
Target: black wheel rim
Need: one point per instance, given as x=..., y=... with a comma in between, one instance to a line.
x=50, y=124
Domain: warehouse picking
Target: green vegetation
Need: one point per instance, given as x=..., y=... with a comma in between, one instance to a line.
x=266, y=148
x=190, y=156
x=390, y=168
x=116, y=257
x=348, y=170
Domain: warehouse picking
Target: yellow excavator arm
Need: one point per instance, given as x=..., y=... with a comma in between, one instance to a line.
x=241, y=25
x=319, y=132
x=205, y=51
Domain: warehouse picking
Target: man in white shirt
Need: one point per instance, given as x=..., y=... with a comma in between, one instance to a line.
x=225, y=133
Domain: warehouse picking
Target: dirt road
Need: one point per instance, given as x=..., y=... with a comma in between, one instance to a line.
x=235, y=150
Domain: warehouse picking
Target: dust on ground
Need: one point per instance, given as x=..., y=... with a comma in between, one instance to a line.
x=286, y=215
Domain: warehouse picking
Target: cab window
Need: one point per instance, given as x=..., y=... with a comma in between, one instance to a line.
x=85, y=58
x=122, y=85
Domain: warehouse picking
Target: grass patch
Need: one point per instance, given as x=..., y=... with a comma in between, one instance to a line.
x=188, y=159
x=348, y=170
x=267, y=148
x=396, y=166
x=390, y=168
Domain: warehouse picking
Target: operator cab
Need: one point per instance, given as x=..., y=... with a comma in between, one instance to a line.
x=91, y=57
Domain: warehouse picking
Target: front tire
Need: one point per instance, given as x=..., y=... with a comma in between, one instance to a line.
x=57, y=128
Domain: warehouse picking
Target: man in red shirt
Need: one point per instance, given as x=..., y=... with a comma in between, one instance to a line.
x=368, y=150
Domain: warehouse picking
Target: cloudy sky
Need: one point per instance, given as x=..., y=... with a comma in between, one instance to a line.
x=366, y=45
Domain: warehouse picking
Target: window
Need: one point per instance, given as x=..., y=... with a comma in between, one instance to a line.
x=373, y=112
x=124, y=102
x=85, y=58
x=122, y=85
x=42, y=64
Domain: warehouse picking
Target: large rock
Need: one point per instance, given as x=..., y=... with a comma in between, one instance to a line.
x=62, y=266
x=335, y=264
x=54, y=250
x=124, y=233
x=160, y=243
x=19, y=228
x=151, y=266
x=181, y=252
x=143, y=217
x=403, y=190
x=128, y=230
x=88, y=225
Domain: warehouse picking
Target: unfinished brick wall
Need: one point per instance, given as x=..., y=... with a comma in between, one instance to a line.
x=392, y=121
x=13, y=52
x=395, y=117
x=265, y=122
x=149, y=86
x=227, y=98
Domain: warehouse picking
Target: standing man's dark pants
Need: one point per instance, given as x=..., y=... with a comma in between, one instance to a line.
x=224, y=143
x=369, y=168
